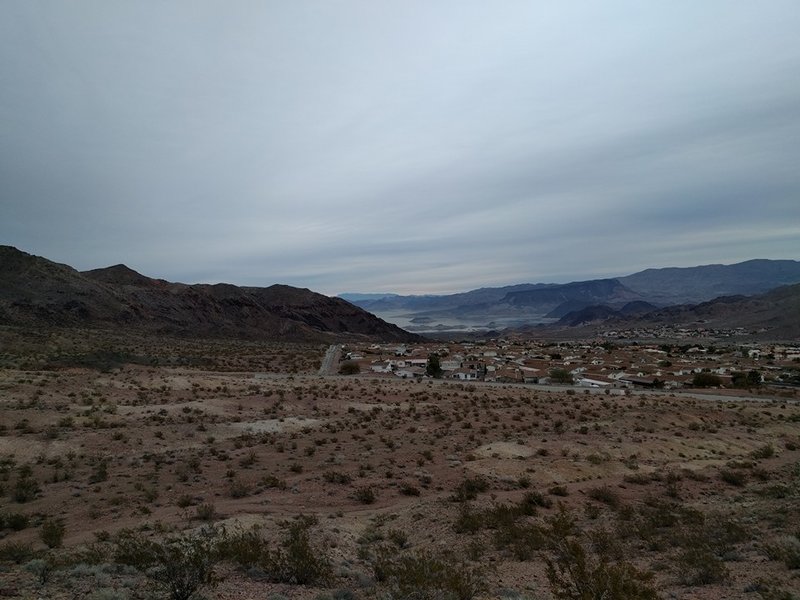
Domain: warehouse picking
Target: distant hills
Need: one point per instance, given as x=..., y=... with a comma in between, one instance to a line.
x=775, y=313
x=527, y=303
x=40, y=293
x=698, y=284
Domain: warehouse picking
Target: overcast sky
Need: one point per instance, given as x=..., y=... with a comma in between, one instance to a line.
x=409, y=146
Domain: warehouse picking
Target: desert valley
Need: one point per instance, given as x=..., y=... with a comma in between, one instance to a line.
x=336, y=456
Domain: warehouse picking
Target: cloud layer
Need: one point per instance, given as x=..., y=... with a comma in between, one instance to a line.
x=409, y=146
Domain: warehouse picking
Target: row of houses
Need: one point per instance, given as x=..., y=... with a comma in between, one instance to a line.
x=592, y=364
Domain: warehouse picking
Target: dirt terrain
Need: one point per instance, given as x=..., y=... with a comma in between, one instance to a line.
x=483, y=484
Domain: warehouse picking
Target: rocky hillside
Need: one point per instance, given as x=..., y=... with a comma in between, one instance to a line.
x=37, y=292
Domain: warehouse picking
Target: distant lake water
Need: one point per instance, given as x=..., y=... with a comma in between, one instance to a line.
x=412, y=322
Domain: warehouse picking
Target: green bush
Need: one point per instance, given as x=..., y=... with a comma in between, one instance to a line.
x=765, y=451
x=424, y=576
x=39, y=568
x=574, y=575
x=25, y=489
x=178, y=566
x=605, y=495
x=365, y=495
x=15, y=552
x=15, y=521
x=245, y=548
x=700, y=566
x=337, y=477
x=52, y=533
x=735, y=478
x=297, y=561
x=786, y=550
x=469, y=489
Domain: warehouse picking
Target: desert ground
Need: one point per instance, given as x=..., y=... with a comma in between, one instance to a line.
x=279, y=482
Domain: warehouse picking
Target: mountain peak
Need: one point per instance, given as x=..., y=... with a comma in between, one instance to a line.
x=119, y=275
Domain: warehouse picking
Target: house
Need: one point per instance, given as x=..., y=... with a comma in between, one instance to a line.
x=464, y=374
x=410, y=373
x=450, y=365
x=381, y=367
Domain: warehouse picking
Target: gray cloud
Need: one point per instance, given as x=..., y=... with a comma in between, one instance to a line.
x=412, y=147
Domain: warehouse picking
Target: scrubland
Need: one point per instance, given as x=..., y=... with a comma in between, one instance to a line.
x=178, y=469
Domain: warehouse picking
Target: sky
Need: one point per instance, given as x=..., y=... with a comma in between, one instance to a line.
x=409, y=146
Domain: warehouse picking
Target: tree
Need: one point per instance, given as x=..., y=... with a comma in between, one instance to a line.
x=561, y=376
x=349, y=368
x=706, y=380
x=750, y=379
x=434, y=367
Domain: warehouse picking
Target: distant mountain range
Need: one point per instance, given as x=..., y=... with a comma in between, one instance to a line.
x=36, y=292
x=527, y=303
x=776, y=313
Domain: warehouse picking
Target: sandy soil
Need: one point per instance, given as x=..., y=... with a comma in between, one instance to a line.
x=148, y=447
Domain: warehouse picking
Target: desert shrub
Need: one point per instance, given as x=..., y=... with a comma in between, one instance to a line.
x=205, y=512
x=409, y=489
x=700, y=566
x=39, y=568
x=239, y=489
x=297, y=561
x=469, y=521
x=637, y=478
x=15, y=552
x=15, y=521
x=575, y=574
x=511, y=534
x=536, y=499
x=365, y=495
x=100, y=472
x=337, y=477
x=178, y=566
x=732, y=477
x=398, y=537
x=469, y=489
x=558, y=490
x=786, y=550
x=245, y=548
x=424, y=576
x=25, y=489
x=777, y=491
x=718, y=532
x=659, y=523
x=108, y=594
x=271, y=481
x=520, y=540
x=770, y=593
x=185, y=501
x=605, y=495
x=765, y=451
x=52, y=533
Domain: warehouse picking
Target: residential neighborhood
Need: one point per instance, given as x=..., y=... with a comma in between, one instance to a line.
x=592, y=364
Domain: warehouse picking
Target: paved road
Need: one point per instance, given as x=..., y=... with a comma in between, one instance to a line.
x=330, y=361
